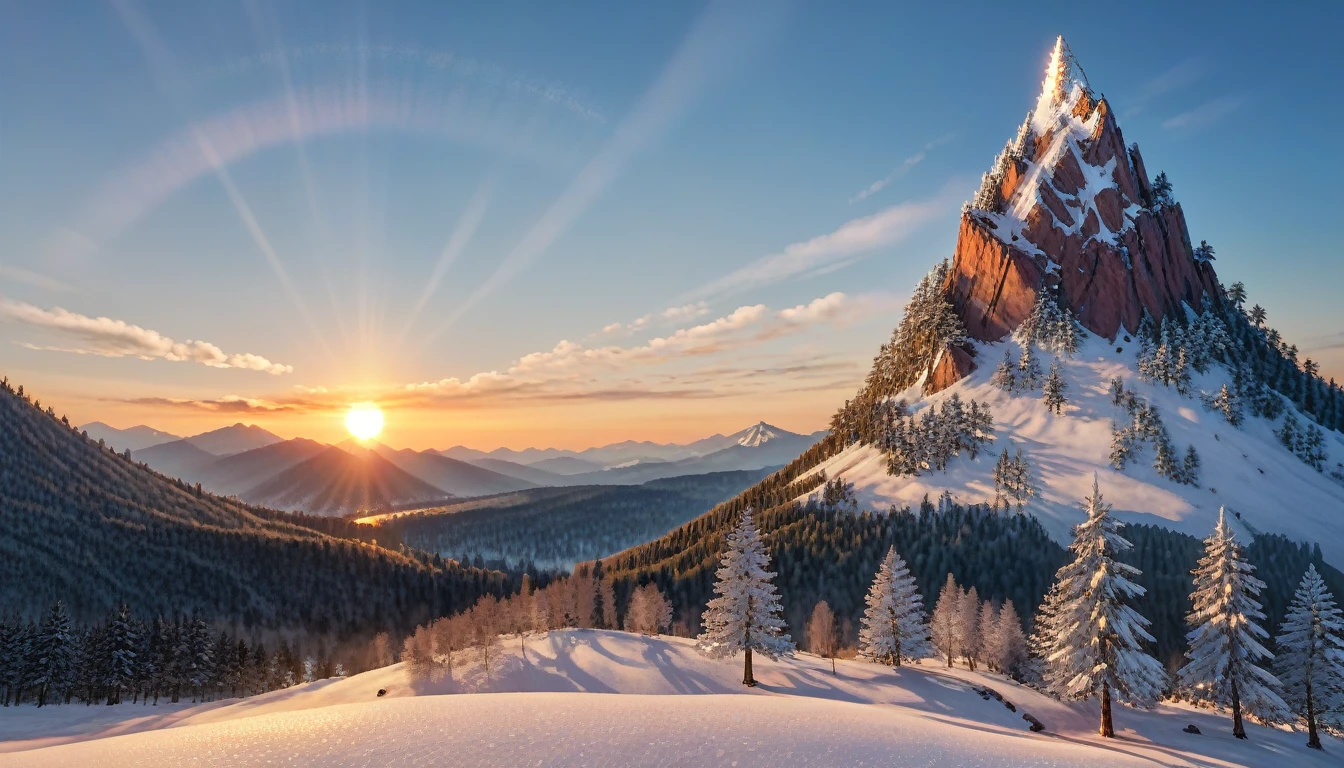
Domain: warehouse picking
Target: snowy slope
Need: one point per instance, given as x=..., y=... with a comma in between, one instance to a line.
x=1246, y=468
x=675, y=707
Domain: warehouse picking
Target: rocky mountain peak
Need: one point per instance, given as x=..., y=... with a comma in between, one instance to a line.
x=1069, y=208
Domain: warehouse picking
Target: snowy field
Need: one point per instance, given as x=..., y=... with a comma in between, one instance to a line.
x=588, y=697
x=1246, y=469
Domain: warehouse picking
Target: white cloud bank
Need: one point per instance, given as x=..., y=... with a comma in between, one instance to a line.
x=106, y=337
x=849, y=243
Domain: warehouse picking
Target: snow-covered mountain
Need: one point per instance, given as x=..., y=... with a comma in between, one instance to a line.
x=758, y=434
x=1068, y=236
x=625, y=454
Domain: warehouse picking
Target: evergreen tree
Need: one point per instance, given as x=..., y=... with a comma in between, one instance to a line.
x=1007, y=646
x=1311, y=657
x=1005, y=375
x=1028, y=371
x=1225, y=639
x=893, y=626
x=968, y=626
x=1190, y=467
x=1054, y=390
x=945, y=620
x=54, y=649
x=1094, y=638
x=120, y=643
x=745, y=614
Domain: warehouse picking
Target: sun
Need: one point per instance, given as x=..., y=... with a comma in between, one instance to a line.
x=364, y=420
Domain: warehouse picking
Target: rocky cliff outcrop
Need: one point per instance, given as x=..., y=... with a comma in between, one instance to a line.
x=1068, y=208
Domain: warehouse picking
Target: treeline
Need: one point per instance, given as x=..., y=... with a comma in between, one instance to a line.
x=829, y=553
x=586, y=600
x=82, y=524
x=123, y=659
x=552, y=528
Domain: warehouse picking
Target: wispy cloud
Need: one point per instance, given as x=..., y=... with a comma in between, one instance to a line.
x=720, y=35
x=900, y=170
x=29, y=277
x=106, y=337
x=671, y=315
x=571, y=371
x=848, y=243
x=1205, y=114
x=1181, y=75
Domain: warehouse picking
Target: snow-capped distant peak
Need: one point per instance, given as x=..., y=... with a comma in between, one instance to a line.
x=757, y=435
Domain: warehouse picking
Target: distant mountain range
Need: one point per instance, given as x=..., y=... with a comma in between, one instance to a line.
x=262, y=468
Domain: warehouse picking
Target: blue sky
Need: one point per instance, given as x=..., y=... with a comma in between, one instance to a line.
x=280, y=183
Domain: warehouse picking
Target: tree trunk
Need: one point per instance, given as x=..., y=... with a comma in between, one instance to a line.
x=1313, y=738
x=1238, y=729
x=896, y=636
x=832, y=666
x=1107, y=729
x=747, y=679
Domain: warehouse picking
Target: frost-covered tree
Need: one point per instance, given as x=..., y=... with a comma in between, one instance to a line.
x=968, y=627
x=650, y=612
x=930, y=325
x=1050, y=327
x=1006, y=646
x=893, y=626
x=745, y=614
x=1095, y=639
x=1005, y=375
x=1228, y=403
x=1028, y=371
x=1013, y=483
x=1204, y=252
x=1054, y=389
x=946, y=616
x=822, y=637
x=1225, y=639
x=1310, y=663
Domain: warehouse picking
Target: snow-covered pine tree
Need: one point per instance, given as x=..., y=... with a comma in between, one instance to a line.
x=1054, y=389
x=745, y=614
x=53, y=655
x=1225, y=639
x=1310, y=663
x=968, y=627
x=1094, y=638
x=121, y=642
x=1009, y=646
x=943, y=627
x=1005, y=375
x=1028, y=371
x=822, y=637
x=893, y=625
x=1228, y=403
x=989, y=627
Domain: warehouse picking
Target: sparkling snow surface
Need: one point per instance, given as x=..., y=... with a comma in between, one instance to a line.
x=1247, y=468
x=559, y=708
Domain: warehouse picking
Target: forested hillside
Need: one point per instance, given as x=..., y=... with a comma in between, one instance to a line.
x=87, y=526
x=827, y=550
x=557, y=527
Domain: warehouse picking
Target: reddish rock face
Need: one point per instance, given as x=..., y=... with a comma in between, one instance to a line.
x=953, y=365
x=1065, y=245
x=1107, y=283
